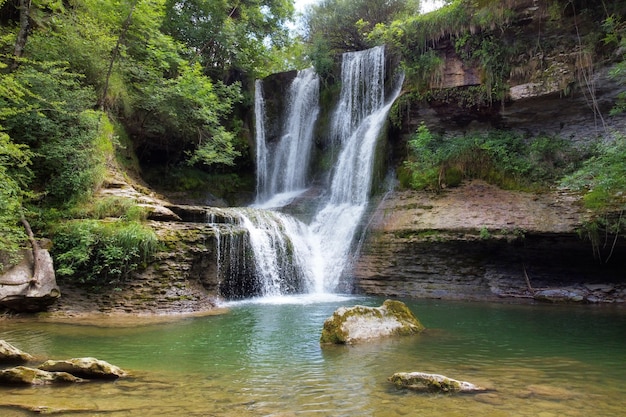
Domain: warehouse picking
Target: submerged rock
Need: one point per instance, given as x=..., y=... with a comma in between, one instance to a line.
x=352, y=324
x=89, y=368
x=23, y=375
x=420, y=381
x=9, y=353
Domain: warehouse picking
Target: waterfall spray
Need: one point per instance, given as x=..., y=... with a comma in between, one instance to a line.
x=289, y=255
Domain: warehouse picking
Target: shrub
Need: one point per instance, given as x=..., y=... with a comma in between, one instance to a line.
x=502, y=158
x=100, y=253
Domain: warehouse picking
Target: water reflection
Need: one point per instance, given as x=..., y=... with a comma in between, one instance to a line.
x=265, y=359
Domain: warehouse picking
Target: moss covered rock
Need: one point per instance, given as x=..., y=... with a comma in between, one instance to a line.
x=421, y=381
x=348, y=325
x=23, y=375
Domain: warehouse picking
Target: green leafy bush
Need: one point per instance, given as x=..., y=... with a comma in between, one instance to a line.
x=100, y=253
x=499, y=157
x=602, y=177
x=14, y=174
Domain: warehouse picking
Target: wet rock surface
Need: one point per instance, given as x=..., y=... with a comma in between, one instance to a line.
x=88, y=368
x=426, y=382
x=350, y=325
x=22, y=375
x=11, y=354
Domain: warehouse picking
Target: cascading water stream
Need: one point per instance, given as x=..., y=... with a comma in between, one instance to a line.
x=282, y=167
x=290, y=256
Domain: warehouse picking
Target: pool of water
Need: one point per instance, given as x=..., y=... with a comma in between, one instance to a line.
x=264, y=359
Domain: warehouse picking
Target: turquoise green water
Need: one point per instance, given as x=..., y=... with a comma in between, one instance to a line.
x=265, y=360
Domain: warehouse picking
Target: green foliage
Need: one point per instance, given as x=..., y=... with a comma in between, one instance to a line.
x=72, y=167
x=111, y=207
x=99, y=253
x=227, y=36
x=344, y=23
x=602, y=177
x=473, y=27
x=602, y=180
x=189, y=110
x=196, y=182
x=14, y=176
x=500, y=157
x=615, y=35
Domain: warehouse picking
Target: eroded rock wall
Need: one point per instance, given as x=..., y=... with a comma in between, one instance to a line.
x=480, y=242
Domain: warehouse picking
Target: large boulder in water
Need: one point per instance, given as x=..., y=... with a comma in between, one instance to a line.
x=11, y=354
x=22, y=375
x=89, y=368
x=352, y=324
x=421, y=381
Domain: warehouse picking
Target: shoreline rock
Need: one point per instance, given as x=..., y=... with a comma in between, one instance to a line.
x=11, y=354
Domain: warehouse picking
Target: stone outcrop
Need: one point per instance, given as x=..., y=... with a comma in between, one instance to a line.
x=479, y=242
x=22, y=375
x=11, y=354
x=24, y=287
x=87, y=368
x=349, y=325
x=421, y=381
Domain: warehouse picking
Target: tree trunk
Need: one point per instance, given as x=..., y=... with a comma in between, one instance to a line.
x=36, y=252
x=114, y=55
x=22, y=35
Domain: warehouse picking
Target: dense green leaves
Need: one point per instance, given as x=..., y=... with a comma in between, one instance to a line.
x=503, y=158
x=100, y=253
x=14, y=173
x=228, y=36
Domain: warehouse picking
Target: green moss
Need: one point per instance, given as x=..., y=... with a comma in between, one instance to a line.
x=334, y=332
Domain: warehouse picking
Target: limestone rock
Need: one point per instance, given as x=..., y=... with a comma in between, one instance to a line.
x=89, y=368
x=9, y=353
x=421, y=381
x=21, y=290
x=559, y=295
x=353, y=324
x=23, y=375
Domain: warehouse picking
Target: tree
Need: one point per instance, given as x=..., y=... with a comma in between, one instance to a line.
x=228, y=36
x=344, y=24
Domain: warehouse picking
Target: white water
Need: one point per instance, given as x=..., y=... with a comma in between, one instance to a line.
x=290, y=256
x=282, y=167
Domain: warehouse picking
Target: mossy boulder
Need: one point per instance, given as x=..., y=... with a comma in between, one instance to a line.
x=23, y=375
x=421, y=381
x=348, y=325
x=11, y=354
x=89, y=368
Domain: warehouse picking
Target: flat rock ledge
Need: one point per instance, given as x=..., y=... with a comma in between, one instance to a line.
x=424, y=382
x=53, y=371
x=23, y=375
x=348, y=325
x=11, y=354
x=88, y=368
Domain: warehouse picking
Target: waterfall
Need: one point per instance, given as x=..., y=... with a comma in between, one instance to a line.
x=357, y=122
x=282, y=167
x=289, y=255
x=261, y=148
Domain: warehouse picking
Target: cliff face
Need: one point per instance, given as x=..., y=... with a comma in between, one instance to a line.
x=479, y=242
